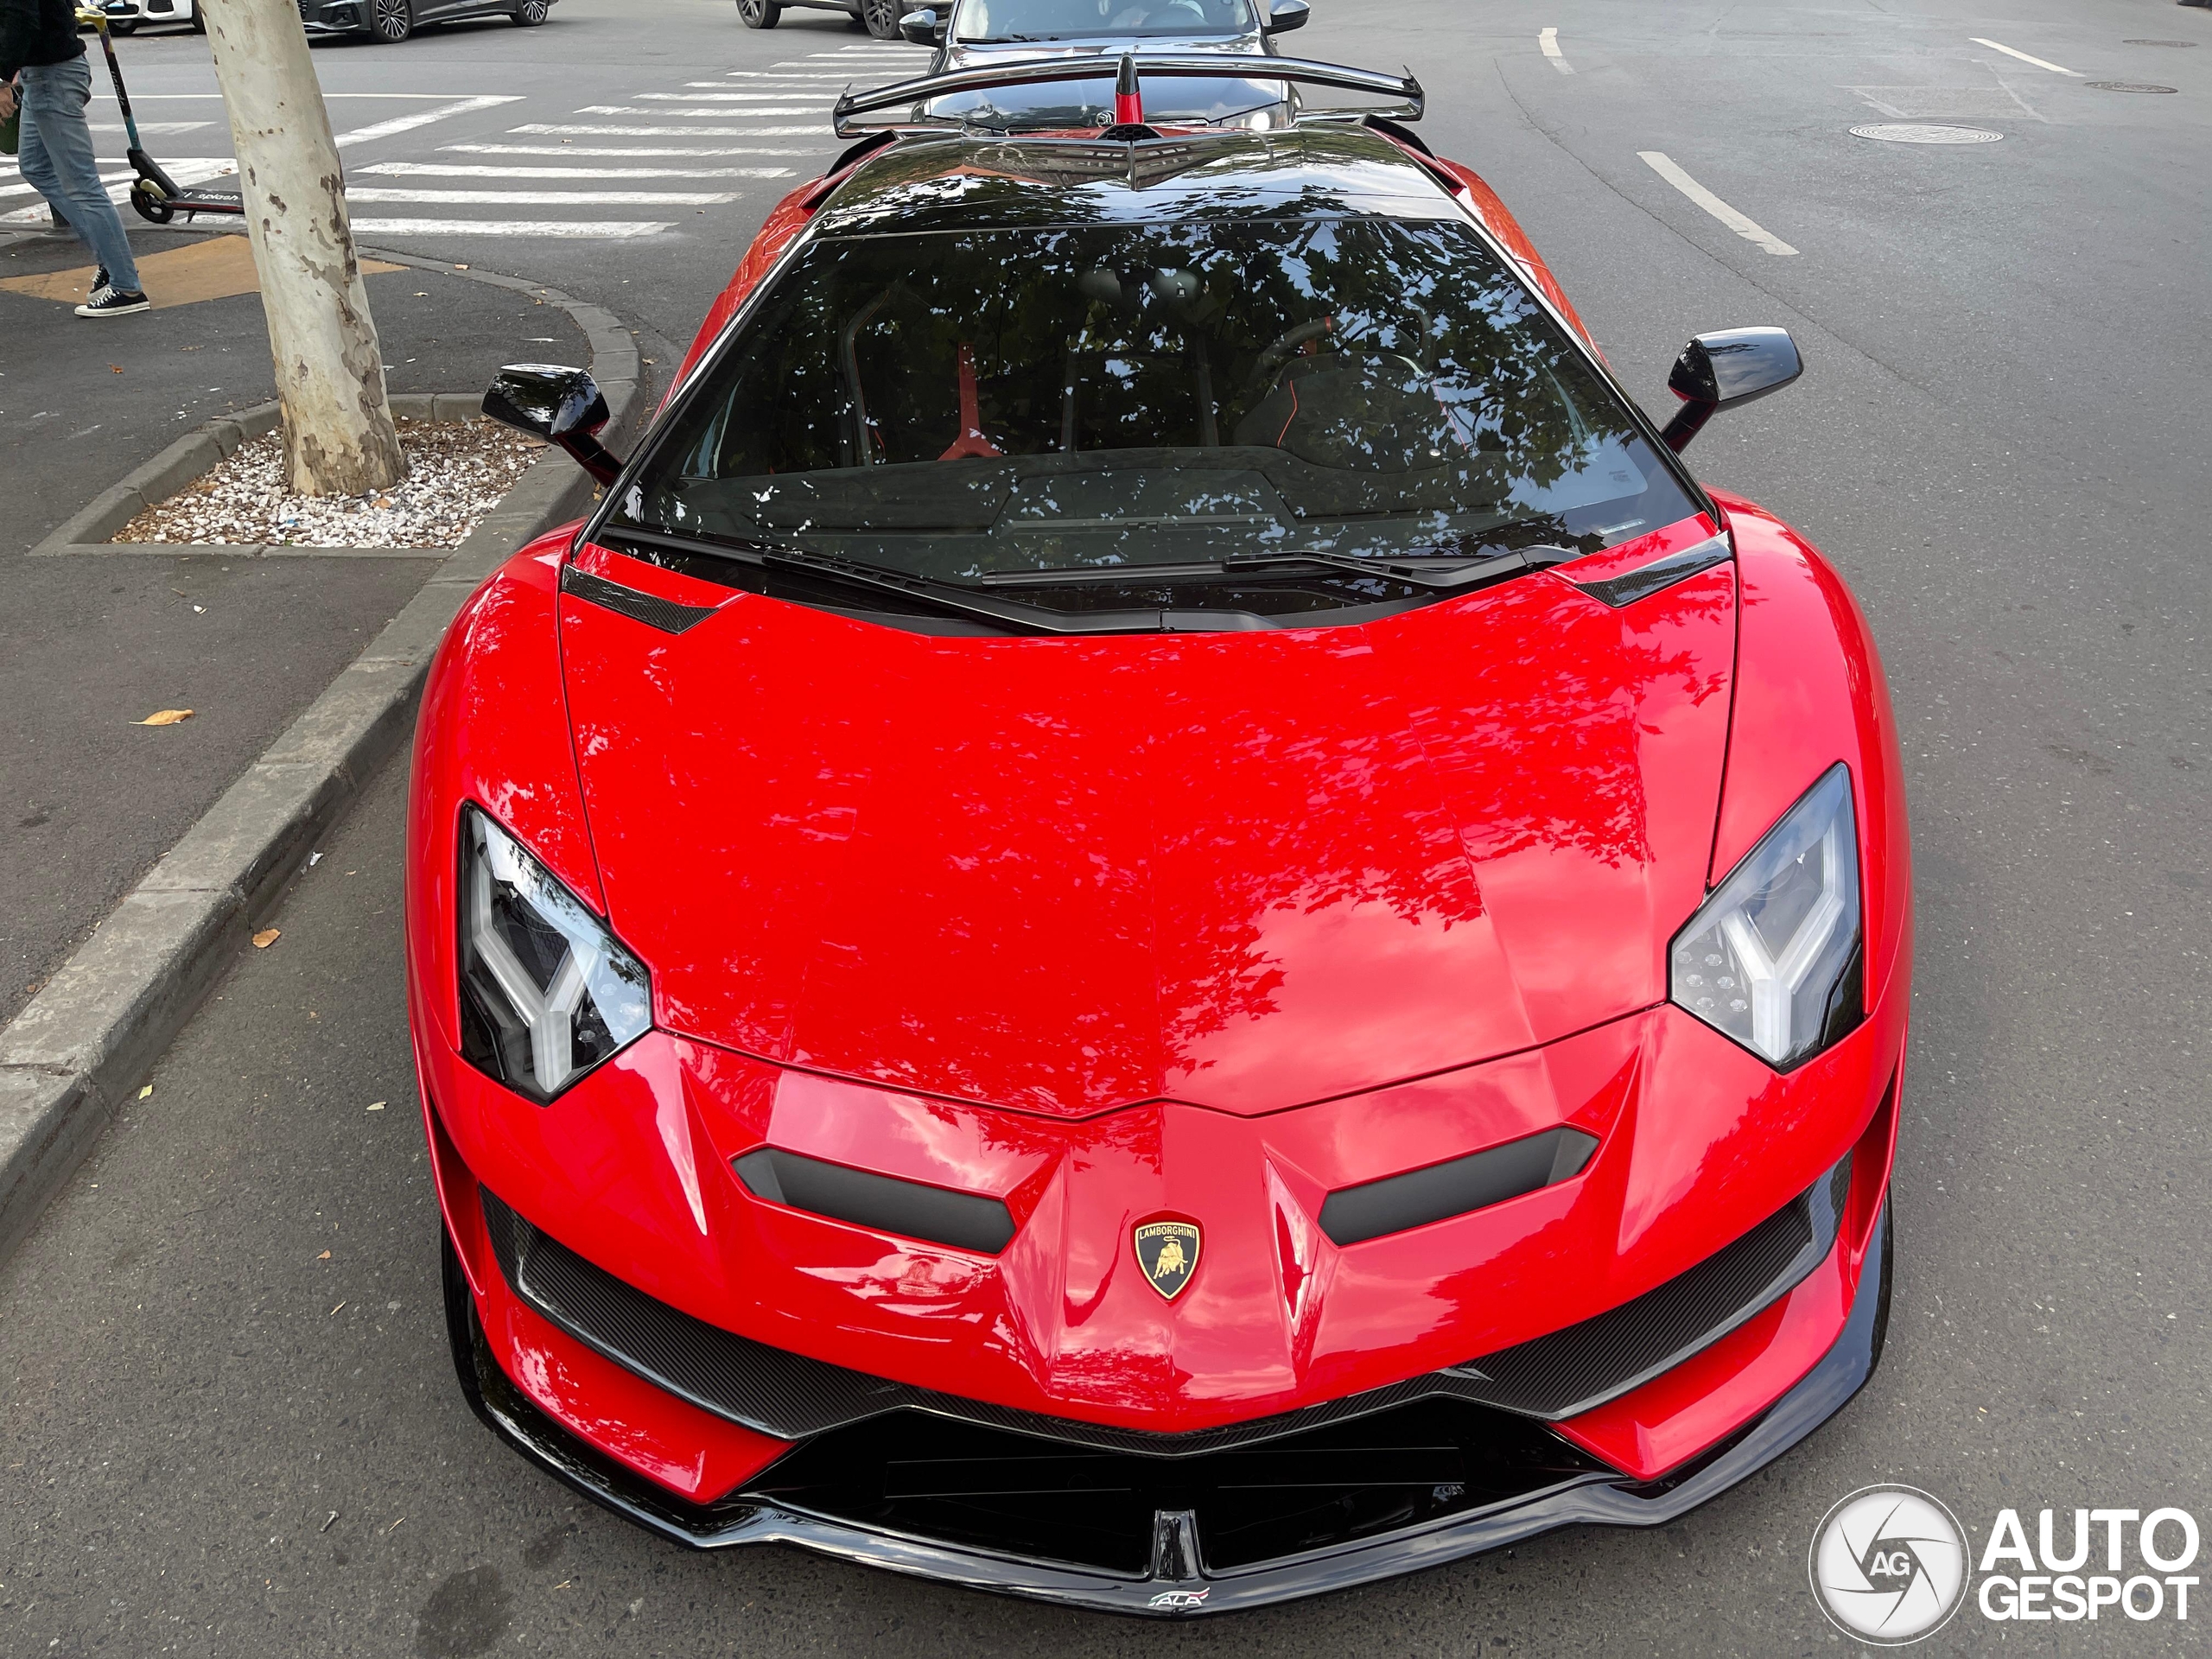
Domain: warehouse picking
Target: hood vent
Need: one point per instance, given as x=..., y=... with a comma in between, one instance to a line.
x=649, y=608
x=965, y=1221
x=1395, y=1203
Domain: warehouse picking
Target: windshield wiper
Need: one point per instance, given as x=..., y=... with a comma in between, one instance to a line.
x=1406, y=569
x=956, y=598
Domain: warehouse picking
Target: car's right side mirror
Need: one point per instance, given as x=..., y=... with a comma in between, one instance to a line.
x=922, y=28
x=561, y=405
x=1721, y=371
x=1285, y=15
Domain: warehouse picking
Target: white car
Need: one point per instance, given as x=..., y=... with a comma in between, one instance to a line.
x=125, y=17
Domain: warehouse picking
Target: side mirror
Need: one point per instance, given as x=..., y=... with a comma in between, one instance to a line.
x=1285, y=15
x=1721, y=371
x=562, y=406
x=922, y=28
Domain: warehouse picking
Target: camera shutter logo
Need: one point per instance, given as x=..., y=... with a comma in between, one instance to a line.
x=1888, y=1564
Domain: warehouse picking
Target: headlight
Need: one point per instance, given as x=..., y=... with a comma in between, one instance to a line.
x=546, y=991
x=1774, y=959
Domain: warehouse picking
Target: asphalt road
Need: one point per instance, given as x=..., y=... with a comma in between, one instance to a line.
x=1999, y=440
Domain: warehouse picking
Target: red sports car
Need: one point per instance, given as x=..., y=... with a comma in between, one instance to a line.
x=1157, y=914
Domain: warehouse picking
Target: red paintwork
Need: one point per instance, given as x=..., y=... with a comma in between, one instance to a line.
x=1205, y=925
x=1298, y=863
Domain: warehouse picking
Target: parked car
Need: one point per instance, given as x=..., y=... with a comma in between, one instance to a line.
x=979, y=33
x=879, y=17
x=128, y=17
x=393, y=21
x=1157, y=914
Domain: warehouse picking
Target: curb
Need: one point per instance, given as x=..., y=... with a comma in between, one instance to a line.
x=81, y=1046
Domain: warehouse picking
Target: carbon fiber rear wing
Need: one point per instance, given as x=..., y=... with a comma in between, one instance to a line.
x=1184, y=66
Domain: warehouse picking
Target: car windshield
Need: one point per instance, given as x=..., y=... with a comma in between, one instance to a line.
x=965, y=405
x=979, y=21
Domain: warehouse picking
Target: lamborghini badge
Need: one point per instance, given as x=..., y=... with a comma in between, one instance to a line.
x=1169, y=1253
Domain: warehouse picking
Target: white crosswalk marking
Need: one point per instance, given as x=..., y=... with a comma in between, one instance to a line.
x=584, y=178
x=547, y=198
x=465, y=170
x=576, y=228
x=662, y=114
x=823, y=132
x=637, y=149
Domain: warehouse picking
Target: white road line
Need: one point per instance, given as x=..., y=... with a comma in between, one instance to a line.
x=721, y=97
x=1746, y=227
x=151, y=129
x=217, y=98
x=678, y=132
x=609, y=149
x=547, y=198
x=586, y=230
x=2014, y=52
x=423, y=118
x=663, y=113
x=461, y=170
x=1548, y=44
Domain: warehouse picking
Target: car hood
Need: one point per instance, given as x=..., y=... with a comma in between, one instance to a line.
x=1243, y=871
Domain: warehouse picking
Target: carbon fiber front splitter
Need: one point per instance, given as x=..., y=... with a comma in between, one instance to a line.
x=1179, y=1585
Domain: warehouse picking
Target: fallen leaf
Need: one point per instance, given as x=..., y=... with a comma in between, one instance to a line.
x=146, y=1091
x=378, y=1105
x=165, y=717
x=267, y=936
x=324, y=1256
x=115, y=368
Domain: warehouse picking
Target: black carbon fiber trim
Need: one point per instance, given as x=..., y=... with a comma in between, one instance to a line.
x=1353, y=1214
x=967, y=1221
x=793, y=1397
x=1641, y=583
x=1581, y=1367
x=649, y=608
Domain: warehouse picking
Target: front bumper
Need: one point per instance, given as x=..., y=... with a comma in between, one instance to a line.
x=1554, y=1490
x=333, y=16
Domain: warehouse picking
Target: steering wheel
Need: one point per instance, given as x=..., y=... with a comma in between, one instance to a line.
x=1196, y=12
x=1270, y=367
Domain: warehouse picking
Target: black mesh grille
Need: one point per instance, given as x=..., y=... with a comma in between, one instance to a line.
x=1601, y=1358
x=649, y=608
x=793, y=1397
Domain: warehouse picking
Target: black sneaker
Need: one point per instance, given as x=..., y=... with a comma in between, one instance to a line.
x=99, y=277
x=110, y=301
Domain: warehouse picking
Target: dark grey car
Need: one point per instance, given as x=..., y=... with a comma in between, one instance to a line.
x=393, y=21
x=980, y=32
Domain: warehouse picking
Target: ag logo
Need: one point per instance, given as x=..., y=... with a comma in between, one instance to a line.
x=1888, y=1564
x=1169, y=1253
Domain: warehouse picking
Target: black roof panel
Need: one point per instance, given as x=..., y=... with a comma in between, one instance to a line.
x=959, y=182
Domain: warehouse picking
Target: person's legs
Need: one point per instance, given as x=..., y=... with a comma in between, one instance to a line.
x=56, y=156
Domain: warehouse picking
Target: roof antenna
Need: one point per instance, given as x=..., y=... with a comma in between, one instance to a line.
x=1128, y=101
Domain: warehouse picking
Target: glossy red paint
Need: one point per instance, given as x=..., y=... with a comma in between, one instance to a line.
x=1243, y=871
x=1205, y=925
x=1670, y=1420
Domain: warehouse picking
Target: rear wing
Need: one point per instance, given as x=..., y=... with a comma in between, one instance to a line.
x=1407, y=99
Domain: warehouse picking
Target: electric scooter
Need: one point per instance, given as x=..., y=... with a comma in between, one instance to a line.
x=154, y=194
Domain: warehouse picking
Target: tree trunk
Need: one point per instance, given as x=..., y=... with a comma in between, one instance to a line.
x=339, y=438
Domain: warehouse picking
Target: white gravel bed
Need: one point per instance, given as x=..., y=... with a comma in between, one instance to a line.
x=457, y=472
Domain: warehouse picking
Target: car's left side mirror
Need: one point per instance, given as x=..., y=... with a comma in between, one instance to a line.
x=1724, y=369
x=561, y=405
x=1285, y=15
x=922, y=28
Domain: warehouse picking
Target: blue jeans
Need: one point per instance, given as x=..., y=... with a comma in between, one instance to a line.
x=55, y=154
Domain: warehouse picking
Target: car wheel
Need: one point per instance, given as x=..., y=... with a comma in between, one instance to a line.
x=760, y=14
x=530, y=13
x=124, y=30
x=392, y=21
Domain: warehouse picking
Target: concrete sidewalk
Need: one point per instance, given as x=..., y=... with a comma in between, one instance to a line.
x=91, y=644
